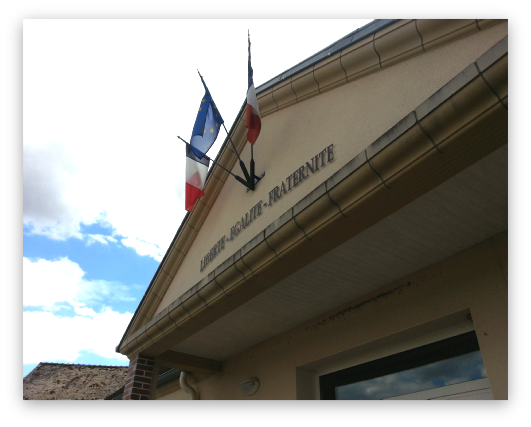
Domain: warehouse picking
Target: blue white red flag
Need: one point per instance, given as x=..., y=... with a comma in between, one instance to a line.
x=196, y=173
x=205, y=132
x=253, y=122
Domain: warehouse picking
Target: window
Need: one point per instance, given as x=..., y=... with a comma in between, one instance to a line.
x=448, y=362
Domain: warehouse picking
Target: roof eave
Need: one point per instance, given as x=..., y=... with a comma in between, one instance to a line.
x=433, y=128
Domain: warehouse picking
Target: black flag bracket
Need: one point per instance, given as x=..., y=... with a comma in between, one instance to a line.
x=256, y=179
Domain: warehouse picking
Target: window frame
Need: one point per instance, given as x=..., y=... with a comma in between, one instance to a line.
x=423, y=355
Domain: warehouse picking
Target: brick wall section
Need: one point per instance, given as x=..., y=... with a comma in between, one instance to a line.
x=139, y=376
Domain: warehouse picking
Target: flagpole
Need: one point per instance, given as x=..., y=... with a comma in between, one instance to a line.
x=252, y=167
x=242, y=165
x=238, y=178
x=251, y=84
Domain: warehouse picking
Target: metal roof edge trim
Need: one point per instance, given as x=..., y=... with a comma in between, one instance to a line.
x=342, y=43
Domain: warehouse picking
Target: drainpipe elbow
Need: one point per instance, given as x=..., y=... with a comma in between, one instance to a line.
x=187, y=388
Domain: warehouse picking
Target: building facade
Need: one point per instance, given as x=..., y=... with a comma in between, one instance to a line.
x=370, y=261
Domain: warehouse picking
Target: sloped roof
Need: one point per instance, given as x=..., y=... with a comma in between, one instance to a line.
x=162, y=325
x=63, y=381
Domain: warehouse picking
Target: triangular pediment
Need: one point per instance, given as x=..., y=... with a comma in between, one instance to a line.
x=372, y=91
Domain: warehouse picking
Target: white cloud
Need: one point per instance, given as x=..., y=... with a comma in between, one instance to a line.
x=47, y=283
x=59, y=284
x=99, y=238
x=143, y=248
x=47, y=171
x=51, y=284
x=50, y=338
x=94, y=291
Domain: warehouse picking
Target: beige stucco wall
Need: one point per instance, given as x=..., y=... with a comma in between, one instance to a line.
x=420, y=308
x=351, y=117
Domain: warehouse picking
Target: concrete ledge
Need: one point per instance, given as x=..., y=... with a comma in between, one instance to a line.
x=309, y=199
x=447, y=91
x=259, y=238
x=267, y=103
x=278, y=223
x=305, y=86
x=318, y=212
x=284, y=95
x=397, y=41
x=497, y=78
x=435, y=32
x=356, y=163
x=329, y=73
x=457, y=110
x=400, y=128
x=285, y=237
x=398, y=155
x=494, y=54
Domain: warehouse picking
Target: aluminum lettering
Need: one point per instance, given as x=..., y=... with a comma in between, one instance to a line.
x=319, y=161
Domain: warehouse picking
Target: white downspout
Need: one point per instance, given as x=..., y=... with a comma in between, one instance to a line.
x=188, y=389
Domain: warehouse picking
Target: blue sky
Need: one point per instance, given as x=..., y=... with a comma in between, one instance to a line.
x=103, y=170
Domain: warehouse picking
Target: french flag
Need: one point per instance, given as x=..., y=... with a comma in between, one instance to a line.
x=204, y=133
x=253, y=122
x=196, y=173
